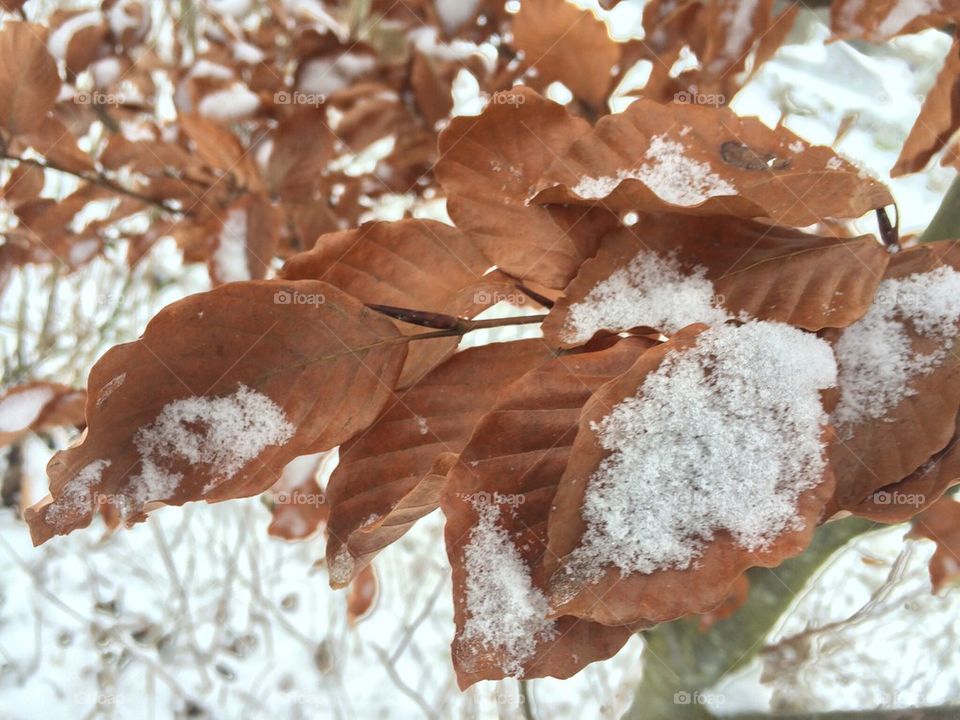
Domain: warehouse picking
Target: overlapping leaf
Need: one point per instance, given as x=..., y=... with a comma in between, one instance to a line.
x=391, y=476
x=564, y=43
x=36, y=406
x=488, y=167
x=513, y=463
x=29, y=82
x=414, y=264
x=876, y=453
x=614, y=597
x=707, y=161
x=299, y=505
x=939, y=118
x=220, y=393
x=768, y=272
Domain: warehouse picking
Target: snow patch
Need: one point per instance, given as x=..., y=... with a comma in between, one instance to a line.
x=670, y=174
x=230, y=257
x=651, y=291
x=876, y=356
x=506, y=613
x=724, y=436
x=19, y=409
x=76, y=497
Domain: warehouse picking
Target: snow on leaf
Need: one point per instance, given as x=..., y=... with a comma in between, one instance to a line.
x=38, y=405
x=899, y=376
x=669, y=271
x=221, y=392
x=504, y=483
x=706, y=160
x=394, y=472
x=246, y=242
x=704, y=459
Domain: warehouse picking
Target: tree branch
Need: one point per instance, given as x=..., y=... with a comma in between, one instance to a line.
x=94, y=178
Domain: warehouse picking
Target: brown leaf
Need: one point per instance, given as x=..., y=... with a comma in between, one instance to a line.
x=391, y=476
x=488, y=166
x=363, y=596
x=221, y=150
x=900, y=501
x=223, y=389
x=938, y=120
x=414, y=264
x=770, y=273
x=707, y=161
x=23, y=185
x=941, y=523
x=720, y=36
x=302, y=148
x=880, y=20
x=299, y=505
x=614, y=597
x=873, y=454
x=52, y=139
x=513, y=463
x=564, y=43
x=246, y=242
x=36, y=406
x=29, y=82
x=730, y=604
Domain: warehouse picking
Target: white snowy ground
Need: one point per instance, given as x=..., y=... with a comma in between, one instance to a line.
x=199, y=610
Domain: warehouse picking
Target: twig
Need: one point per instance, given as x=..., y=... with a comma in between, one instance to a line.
x=94, y=178
x=448, y=324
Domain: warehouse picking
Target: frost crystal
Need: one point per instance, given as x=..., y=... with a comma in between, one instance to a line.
x=76, y=497
x=651, y=291
x=877, y=359
x=724, y=436
x=670, y=174
x=505, y=611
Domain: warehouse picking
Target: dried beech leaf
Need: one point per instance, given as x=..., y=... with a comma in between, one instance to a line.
x=300, y=506
x=886, y=450
x=707, y=161
x=221, y=150
x=731, y=603
x=295, y=368
x=488, y=166
x=29, y=82
x=900, y=501
x=567, y=44
x=614, y=598
x=880, y=20
x=513, y=463
x=302, y=148
x=768, y=272
x=941, y=523
x=362, y=598
x=36, y=406
x=391, y=476
x=24, y=184
x=414, y=264
x=938, y=120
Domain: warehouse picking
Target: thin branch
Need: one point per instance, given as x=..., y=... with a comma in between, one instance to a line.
x=94, y=178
